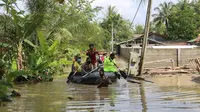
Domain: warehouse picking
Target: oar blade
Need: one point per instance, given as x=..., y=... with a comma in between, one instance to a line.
x=123, y=74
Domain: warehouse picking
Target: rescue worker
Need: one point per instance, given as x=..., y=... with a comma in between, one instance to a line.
x=110, y=65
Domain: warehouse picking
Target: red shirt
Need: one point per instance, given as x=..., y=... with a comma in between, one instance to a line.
x=92, y=55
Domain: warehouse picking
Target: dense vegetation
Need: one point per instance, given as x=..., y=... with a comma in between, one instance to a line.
x=179, y=21
x=41, y=40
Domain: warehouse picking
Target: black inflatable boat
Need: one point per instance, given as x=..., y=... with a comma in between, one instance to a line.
x=92, y=78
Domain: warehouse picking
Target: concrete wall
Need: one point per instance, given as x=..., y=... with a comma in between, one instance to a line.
x=179, y=56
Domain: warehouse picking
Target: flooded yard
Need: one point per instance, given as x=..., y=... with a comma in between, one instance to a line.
x=168, y=94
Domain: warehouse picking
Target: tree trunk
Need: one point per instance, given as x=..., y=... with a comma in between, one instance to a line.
x=19, y=57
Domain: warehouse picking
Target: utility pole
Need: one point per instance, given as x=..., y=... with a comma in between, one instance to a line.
x=112, y=38
x=145, y=38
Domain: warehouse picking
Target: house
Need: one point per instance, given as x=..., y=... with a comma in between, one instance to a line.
x=154, y=39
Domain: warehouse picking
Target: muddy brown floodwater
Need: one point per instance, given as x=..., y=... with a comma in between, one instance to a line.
x=167, y=94
x=175, y=93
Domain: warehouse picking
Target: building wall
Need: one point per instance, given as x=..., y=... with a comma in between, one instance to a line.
x=180, y=57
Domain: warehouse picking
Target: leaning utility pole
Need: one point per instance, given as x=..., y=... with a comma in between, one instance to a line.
x=145, y=38
x=112, y=38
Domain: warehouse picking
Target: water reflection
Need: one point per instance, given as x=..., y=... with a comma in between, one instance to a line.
x=143, y=97
x=167, y=94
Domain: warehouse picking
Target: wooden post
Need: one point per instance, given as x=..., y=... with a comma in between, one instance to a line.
x=145, y=38
x=172, y=64
x=129, y=63
x=178, y=57
x=112, y=48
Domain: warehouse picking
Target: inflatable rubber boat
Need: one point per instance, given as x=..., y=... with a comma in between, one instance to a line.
x=92, y=78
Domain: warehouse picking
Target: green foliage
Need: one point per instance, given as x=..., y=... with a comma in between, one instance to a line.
x=4, y=88
x=12, y=75
x=164, y=12
x=139, y=29
x=122, y=29
x=47, y=36
x=160, y=30
x=182, y=20
x=183, y=24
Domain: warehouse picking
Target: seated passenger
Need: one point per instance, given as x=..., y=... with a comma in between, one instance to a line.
x=87, y=66
x=76, y=68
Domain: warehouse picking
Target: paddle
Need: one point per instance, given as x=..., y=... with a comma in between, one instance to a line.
x=70, y=78
x=90, y=72
x=122, y=73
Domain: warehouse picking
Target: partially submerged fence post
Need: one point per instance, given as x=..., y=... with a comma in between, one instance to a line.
x=172, y=64
x=178, y=57
x=129, y=63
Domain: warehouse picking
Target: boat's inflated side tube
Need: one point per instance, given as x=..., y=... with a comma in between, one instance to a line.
x=93, y=78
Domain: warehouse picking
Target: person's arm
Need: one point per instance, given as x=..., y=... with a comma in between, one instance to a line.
x=87, y=53
x=115, y=63
x=96, y=52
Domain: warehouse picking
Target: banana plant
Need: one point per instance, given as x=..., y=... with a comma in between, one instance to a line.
x=24, y=26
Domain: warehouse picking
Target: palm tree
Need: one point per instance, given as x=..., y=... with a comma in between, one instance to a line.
x=164, y=11
x=182, y=4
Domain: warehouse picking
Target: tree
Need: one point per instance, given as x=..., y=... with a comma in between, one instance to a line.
x=122, y=29
x=139, y=29
x=160, y=30
x=183, y=24
x=164, y=12
x=70, y=24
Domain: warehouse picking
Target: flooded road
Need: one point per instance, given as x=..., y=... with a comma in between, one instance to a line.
x=167, y=94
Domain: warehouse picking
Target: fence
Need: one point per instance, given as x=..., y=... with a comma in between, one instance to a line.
x=179, y=55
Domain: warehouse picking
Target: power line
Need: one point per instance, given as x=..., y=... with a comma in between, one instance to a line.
x=136, y=12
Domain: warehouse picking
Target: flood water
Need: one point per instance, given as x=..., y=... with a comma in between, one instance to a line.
x=167, y=94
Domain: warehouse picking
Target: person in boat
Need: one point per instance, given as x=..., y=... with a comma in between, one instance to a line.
x=87, y=66
x=99, y=61
x=105, y=81
x=110, y=65
x=103, y=56
x=92, y=53
x=76, y=67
